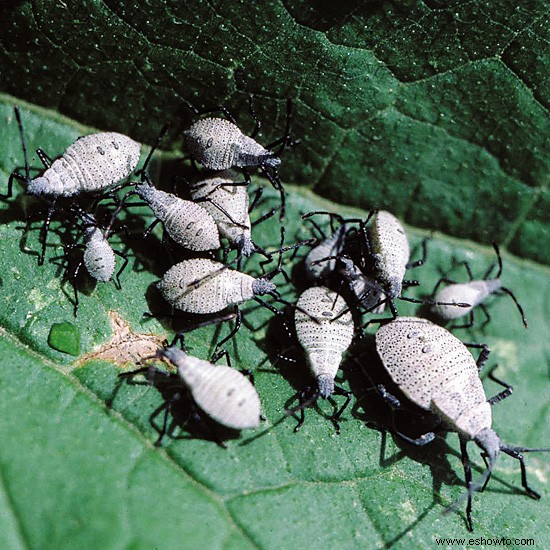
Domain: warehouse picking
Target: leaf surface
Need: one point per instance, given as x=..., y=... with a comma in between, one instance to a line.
x=435, y=110
x=78, y=467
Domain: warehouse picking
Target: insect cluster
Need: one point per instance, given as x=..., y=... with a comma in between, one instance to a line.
x=355, y=271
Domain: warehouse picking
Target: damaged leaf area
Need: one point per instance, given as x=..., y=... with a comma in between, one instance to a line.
x=437, y=111
x=78, y=463
x=125, y=346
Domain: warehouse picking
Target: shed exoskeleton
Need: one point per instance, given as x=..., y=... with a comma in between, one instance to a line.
x=437, y=372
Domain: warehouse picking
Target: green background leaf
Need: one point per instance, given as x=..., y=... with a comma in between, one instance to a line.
x=437, y=113
x=435, y=110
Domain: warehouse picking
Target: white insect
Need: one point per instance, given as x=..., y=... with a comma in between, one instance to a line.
x=188, y=224
x=228, y=205
x=204, y=286
x=474, y=292
x=390, y=250
x=99, y=257
x=218, y=144
x=90, y=164
x=325, y=333
x=437, y=372
x=223, y=393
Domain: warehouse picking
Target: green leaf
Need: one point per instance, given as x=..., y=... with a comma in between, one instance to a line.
x=77, y=463
x=437, y=111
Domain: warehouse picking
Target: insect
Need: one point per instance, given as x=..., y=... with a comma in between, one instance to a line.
x=219, y=144
x=188, y=224
x=365, y=289
x=228, y=204
x=204, y=286
x=223, y=393
x=437, y=372
x=99, y=255
x=475, y=292
x=220, y=392
x=321, y=259
x=325, y=331
x=331, y=261
x=389, y=248
x=90, y=164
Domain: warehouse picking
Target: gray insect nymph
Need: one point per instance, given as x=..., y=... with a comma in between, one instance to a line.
x=323, y=337
x=228, y=205
x=437, y=372
x=390, y=249
x=90, y=164
x=218, y=144
x=99, y=257
x=223, y=393
x=204, y=286
x=474, y=292
x=187, y=223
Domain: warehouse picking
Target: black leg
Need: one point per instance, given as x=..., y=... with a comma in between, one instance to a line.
x=148, y=231
x=468, y=478
x=268, y=306
x=266, y=216
x=517, y=455
x=164, y=407
x=73, y=277
x=45, y=230
x=220, y=353
x=442, y=280
x=508, y=389
x=13, y=176
x=257, y=196
x=483, y=355
x=388, y=397
x=469, y=323
x=485, y=311
x=422, y=260
x=307, y=397
x=424, y=439
x=125, y=258
x=335, y=418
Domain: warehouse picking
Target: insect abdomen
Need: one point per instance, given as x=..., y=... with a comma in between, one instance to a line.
x=99, y=257
x=223, y=393
x=204, y=286
x=324, y=338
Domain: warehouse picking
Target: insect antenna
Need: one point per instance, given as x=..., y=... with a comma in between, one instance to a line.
x=143, y=170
